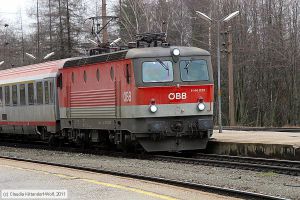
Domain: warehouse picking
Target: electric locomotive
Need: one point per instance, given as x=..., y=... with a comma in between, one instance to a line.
x=155, y=96
x=158, y=96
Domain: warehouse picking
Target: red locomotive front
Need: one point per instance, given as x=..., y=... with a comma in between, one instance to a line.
x=159, y=97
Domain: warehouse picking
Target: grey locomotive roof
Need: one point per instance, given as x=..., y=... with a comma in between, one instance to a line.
x=135, y=53
x=165, y=51
x=119, y=55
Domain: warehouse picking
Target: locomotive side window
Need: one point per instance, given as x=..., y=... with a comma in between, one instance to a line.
x=84, y=76
x=73, y=77
x=128, y=75
x=1, y=96
x=7, y=96
x=46, y=89
x=193, y=70
x=30, y=94
x=22, y=94
x=98, y=75
x=112, y=73
x=39, y=93
x=157, y=71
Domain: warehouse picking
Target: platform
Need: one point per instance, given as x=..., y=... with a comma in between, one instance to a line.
x=280, y=145
x=82, y=185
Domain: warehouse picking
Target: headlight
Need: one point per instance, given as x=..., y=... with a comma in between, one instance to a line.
x=176, y=52
x=201, y=106
x=153, y=108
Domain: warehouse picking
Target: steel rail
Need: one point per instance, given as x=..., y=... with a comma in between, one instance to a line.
x=272, y=129
x=249, y=163
x=252, y=159
x=183, y=184
x=278, y=166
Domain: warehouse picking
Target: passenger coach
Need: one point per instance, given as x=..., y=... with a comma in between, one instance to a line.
x=28, y=103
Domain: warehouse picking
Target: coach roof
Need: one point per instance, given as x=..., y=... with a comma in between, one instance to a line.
x=31, y=72
x=165, y=51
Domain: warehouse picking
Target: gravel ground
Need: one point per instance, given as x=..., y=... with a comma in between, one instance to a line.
x=261, y=182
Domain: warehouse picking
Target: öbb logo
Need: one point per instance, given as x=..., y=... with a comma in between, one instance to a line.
x=177, y=96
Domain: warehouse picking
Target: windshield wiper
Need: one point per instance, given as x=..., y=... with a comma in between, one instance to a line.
x=187, y=65
x=163, y=64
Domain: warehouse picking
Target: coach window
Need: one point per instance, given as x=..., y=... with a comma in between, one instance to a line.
x=15, y=95
x=60, y=81
x=1, y=96
x=7, y=95
x=30, y=94
x=22, y=95
x=51, y=91
x=98, y=75
x=39, y=93
x=46, y=89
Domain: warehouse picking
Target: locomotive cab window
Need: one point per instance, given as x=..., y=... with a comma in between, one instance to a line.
x=157, y=71
x=194, y=70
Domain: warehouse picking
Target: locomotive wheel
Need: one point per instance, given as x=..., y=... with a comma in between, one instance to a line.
x=53, y=141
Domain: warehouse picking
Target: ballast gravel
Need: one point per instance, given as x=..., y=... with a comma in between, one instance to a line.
x=262, y=182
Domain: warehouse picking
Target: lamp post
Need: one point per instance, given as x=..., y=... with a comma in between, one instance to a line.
x=226, y=19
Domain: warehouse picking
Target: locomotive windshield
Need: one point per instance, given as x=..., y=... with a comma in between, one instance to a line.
x=157, y=71
x=193, y=70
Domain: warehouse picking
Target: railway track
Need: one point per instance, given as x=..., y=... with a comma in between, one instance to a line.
x=257, y=164
x=184, y=184
x=271, y=129
x=287, y=167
